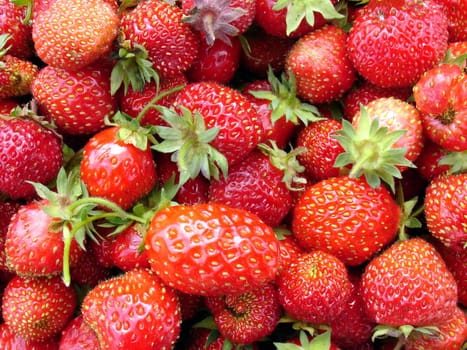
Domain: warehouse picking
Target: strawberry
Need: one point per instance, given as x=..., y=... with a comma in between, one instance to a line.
x=78, y=335
x=71, y=34
x=190, y=305
x=314, y=287
x=7, y=210
x=345, y=217
x=204, y=338
x=247, y=317
x=320, y=65
x=219, y=19
x=37, y=309
x=8, y=105
x=217, y=62
x=13, y=22
x=443, y=208
x=87, y=271
x=11, y=340
x=385, y=39
x=261, y=183
x=211, y=249
x=321, y=150
x=77, y=101
x=289, y=249
x=456, y=20
x=116, y=169
x=427, y=162
x=29, y=152
x=408, y=284
x=133, y=308
x=285, y=18
x=440, y=96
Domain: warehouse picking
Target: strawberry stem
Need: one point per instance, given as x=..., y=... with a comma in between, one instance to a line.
x=157, y=98
x=67, y=239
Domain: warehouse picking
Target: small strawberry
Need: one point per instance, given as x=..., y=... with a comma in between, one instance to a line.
x=211, y=249
x=319, y=62
x=38, y=309
x=71, y=34
x=408, y=284
x=385, y=38
x=428, y=161
x=10, y=340
x=133, y=308
x=78, y=335
x=314, y=287
x=247, y=317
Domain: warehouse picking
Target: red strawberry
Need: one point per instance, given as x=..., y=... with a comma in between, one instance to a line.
x=7, y=210
x=289, y=249
x=14, y=23
x=455, y=11
x=211, y=249
x=133, y=308
x=71, y=34
x=116, y=169
x=321, y=150
x=385, y=39
x=219, y=19
x=87, y=271
x=444, y=208
x=38, y=309
x=8, y=105
x=408, y=284
x=78, y=335
x=314, y=287
x=247, y=317
x=202, y=338
x=29, y=152
x=428, y=160
x=11, y=340
x=190, y=305
x=320, y=65
x=345, y=217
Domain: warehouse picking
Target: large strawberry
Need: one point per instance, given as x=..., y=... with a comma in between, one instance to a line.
x=320, y=64
x=409, y=284
x=386, y=37
x=133, y=308
x=211, y=249
x=38, y=309
x=72, y=34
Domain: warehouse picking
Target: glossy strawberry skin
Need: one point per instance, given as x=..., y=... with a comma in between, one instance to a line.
x=172, y=46
x=16, y=76
x=211, y=249
x=370, y=218
x=444, y=206
x=11, y=340
x=116, y=170
x=133, y=309
x=72, y=34
x=78, y=102
x=320, y=65
x=221, y=106
x=38, y=308
x=408, y=283
x=78, y=335
x=29, y=152
x=11, y=22
x=314, y=287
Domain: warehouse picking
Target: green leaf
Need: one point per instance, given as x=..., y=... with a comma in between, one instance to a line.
x=321, y=341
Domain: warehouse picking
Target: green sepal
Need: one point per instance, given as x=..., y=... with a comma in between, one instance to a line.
x=457, y=161
x=29, y=4
x=3, y=41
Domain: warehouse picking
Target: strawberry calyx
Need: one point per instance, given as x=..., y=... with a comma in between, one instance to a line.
x=310, y=336
x=284, y=100
x=457, y=162
x=3, y=42
x=402, y=333
x=29, y=4
x=409, y=213
x=297, y=11
x=188, y=140
x=287, y=163
x=213, y=18
x=369, y=151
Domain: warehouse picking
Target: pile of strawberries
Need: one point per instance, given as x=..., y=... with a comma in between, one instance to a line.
x=233, y=174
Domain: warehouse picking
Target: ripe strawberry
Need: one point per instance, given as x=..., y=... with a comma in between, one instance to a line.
x=8, y=105
x=77, y=101
x=78, y=335
x=452, y=334
x=321, y=149
x=219, y=19
x=345, y=217
x=11, y=340
x=385, y=39
x=247, y=317
x=428, y=161
x=203, y=338
x=71, y=34
x=37, y=309
x=12, y=22
x=133, y=308
x=7, y=210
x=211, y=249
x=289, y=249
x=408, y=284
x=293, y=19
x=217, y=62
x=320, y=65
x=314, y=287
x=87, y=271
x=444, y=208
x=116, y=169
x=28, y=152
x=261, y=183
x=440, y=95
x=455, y=12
